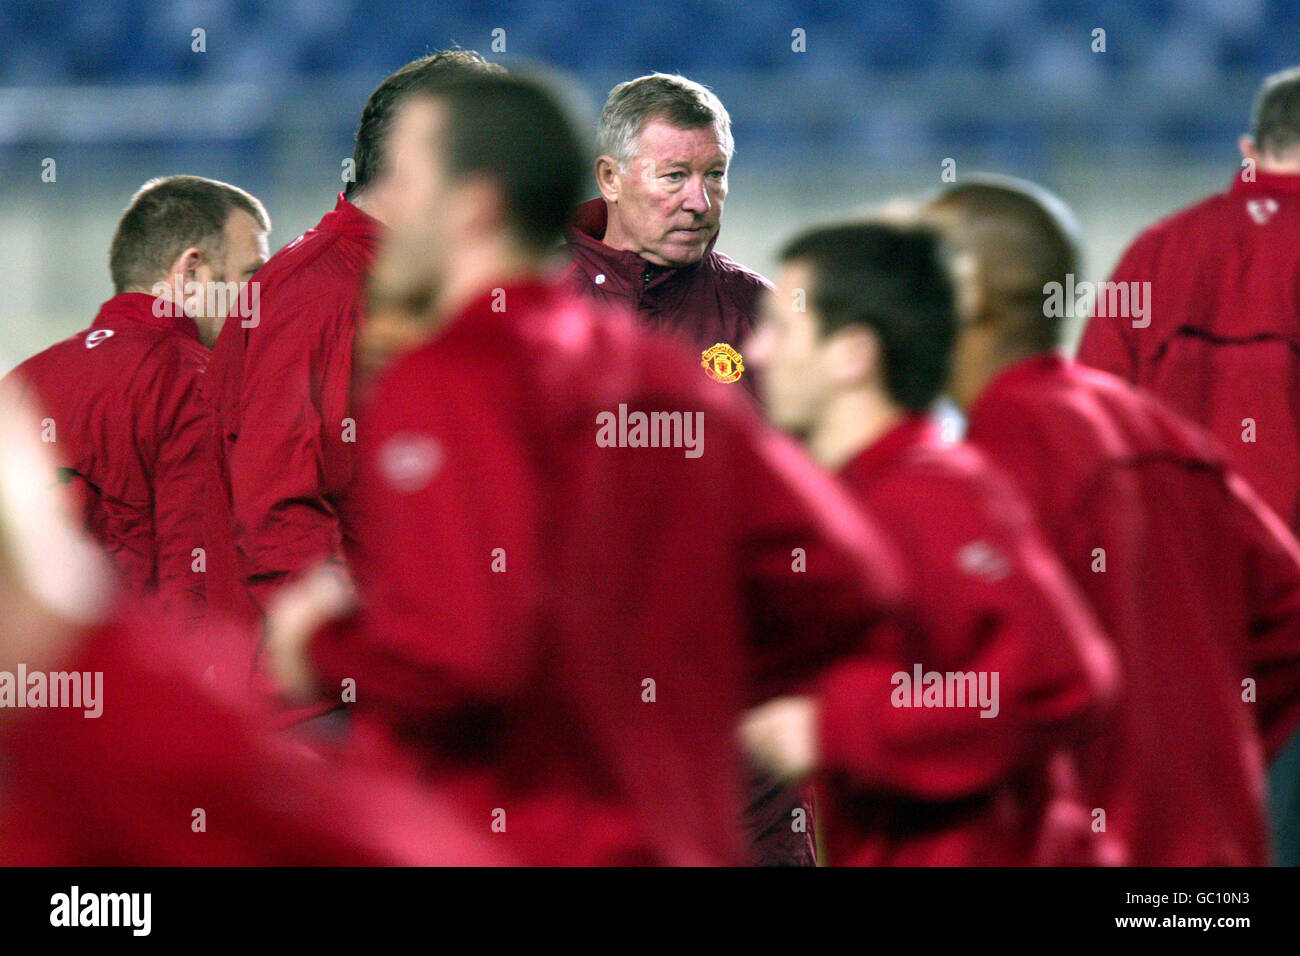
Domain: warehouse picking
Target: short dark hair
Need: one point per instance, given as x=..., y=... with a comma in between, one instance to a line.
x=168, y=215
x=894, y=280
x=377, y=117
x=1024, y=239
x=518, y=130
x=1275, y=117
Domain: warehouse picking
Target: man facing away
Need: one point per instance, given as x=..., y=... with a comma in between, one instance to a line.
x=1216, y=332
x=1216, y=328
x=280, y=382
x=1195, y=580
x=119, y=402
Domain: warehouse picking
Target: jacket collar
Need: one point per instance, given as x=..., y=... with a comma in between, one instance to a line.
x=586, y=231
x=519, y=297
x=1034, y=368
x=1266, y=183
x=913, y=431
x=348, y=220
x=147, y=310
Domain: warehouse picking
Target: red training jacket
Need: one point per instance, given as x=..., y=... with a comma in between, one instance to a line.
x=715, y=300
x=1223, y=341
x=282, y=445
x=918, y=786
x=125, y=788
x=119, y=404
x=564, y=625
x=1197, y=582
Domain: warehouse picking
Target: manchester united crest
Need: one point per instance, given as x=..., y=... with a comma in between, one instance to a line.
x=722, y=363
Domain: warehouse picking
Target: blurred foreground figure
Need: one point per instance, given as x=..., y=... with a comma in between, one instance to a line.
x=561, y=614
x=855, y=348
x=119, y=402
x=111, y=754
x=1193, y=577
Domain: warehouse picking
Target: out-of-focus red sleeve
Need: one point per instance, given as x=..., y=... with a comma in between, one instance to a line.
x=1020, y=618
x=297, y=364
x=1107, y=341
x=819, y=576
x=169, y=776
x=1272, y=574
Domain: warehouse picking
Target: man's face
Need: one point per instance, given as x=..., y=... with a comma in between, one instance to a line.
x=790, y=353
x=668, y=204
x=223, y=276
x=246, y=247
x=412, y=260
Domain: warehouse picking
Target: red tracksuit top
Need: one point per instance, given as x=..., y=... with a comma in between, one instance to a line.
x=715, y=300
x=565, y=632
x=119, y=404
x=121, y=789
x=282, y=446
x=1196, y=581
x=1223, y=344
x=945, y=786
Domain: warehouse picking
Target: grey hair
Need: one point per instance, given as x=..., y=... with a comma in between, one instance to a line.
x=682, y=102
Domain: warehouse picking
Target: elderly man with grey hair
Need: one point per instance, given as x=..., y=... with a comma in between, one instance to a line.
x=647, y=241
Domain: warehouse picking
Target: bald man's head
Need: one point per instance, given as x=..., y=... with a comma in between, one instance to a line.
x=1021, y=238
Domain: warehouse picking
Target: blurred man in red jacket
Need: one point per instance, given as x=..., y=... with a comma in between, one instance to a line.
x=578, y=559
x=1216, y=335
x=112, y=754
x=646, y=243
x=1215, y=330
x=279, y=382
x=119, y=401
x=855, y=348
x=1193, y=577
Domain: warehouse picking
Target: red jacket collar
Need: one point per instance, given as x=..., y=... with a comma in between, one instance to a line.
x=1026, y=370
x=586, y=231
x=144, y=309
x=516, y=297
x=914, y=430
x=1266, y=183
x=348, y=220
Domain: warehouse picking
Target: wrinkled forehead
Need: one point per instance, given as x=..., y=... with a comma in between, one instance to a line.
x=665, y=143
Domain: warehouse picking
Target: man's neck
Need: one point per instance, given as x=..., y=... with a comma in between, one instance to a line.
x=993, y=365
x=616, y=238
x=1279, y=167
x=474, y=271
x=370, y=204
x=853, y=421
x=208, y=329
